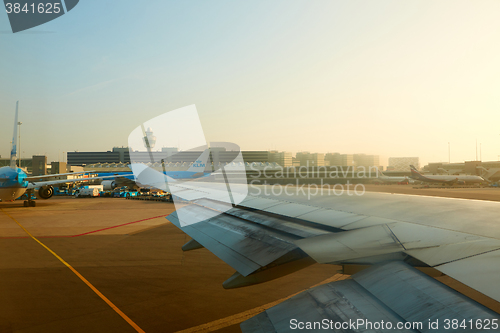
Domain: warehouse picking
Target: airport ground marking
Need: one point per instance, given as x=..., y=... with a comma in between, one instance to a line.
x=93, y=231
x=90, y=285
x=242, y=316
x=116, y=226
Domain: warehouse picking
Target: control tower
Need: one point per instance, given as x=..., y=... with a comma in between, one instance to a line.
x=149, y=139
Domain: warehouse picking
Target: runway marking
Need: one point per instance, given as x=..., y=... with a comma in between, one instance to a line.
x=94, y=289
x=146, y=229
x=242, y=316
x=116, y=226
x=91, y=232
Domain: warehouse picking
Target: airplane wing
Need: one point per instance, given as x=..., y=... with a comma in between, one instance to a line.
x=268, y=235
x=37, y=184
x=32, y=178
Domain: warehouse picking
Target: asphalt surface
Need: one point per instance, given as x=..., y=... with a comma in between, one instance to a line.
x=138, y=267
x=469, y=192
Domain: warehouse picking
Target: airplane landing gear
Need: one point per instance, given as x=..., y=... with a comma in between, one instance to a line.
x=29, y=202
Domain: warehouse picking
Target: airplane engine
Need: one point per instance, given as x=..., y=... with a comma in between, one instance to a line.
x=461, y=182
x=108, y=185
x=45, y=192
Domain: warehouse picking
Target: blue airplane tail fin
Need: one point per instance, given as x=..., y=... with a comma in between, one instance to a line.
x=200, y=164
x=13, y=150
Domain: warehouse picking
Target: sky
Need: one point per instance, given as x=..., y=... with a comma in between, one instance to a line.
x=391, y=78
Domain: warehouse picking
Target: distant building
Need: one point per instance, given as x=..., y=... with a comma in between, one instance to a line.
x=58, y=167
x=318, y=159
x=117, y=155
x=336, y=159
x=283, y=158
x=302, y=157
x=310, y=159
x=250, y=156
x=490, y=170
x=24, y=163
x=367, y=161
x=123, y=153
x=172, y=155
x=403, y=163
x=169, y=151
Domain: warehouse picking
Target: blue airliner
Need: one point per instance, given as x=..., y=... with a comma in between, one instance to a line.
x=196, y=170
x=14, y=182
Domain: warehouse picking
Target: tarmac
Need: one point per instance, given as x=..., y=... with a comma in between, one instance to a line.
x=471, y=192
x=131, y=255
x=116, y=265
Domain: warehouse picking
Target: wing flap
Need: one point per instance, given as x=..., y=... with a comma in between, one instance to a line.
x=343, y=246
x=232, y=258
x=425, y=298
x=259, y=203
x=290, y=209
x=244, y=246
x=297, y=229
x=439, y=255
x=372, y=295
x=479, y=272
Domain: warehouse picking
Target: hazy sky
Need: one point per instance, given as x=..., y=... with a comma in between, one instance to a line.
x=393, y=78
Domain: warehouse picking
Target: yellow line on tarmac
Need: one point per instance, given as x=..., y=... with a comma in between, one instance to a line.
x=242, y=316
x=104, y=298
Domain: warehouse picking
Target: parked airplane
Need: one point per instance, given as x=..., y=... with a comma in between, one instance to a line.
x=446, y=179
x=14, y=182
x=382, y=178
x=196, y=170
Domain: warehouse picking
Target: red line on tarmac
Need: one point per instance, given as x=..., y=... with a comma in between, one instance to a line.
x=90, y=232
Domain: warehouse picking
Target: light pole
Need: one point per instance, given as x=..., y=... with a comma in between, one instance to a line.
x=449, y=153
x=476, y=149
x=19, y=124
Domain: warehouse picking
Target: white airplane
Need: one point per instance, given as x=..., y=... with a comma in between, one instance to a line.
x=382, y=178
x=446, y=179
x=265, y=233
x=14, y=182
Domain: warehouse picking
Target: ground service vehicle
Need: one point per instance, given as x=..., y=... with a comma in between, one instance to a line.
x=87, y=193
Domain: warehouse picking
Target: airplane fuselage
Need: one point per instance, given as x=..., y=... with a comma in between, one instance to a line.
x=13, y=183
x=467, y=179
x=386, y=179
x=171, y=174
x=185, y=174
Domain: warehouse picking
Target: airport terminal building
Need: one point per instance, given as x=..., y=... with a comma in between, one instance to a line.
x=489, y=170
x=121, y=155
x=403, y=163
